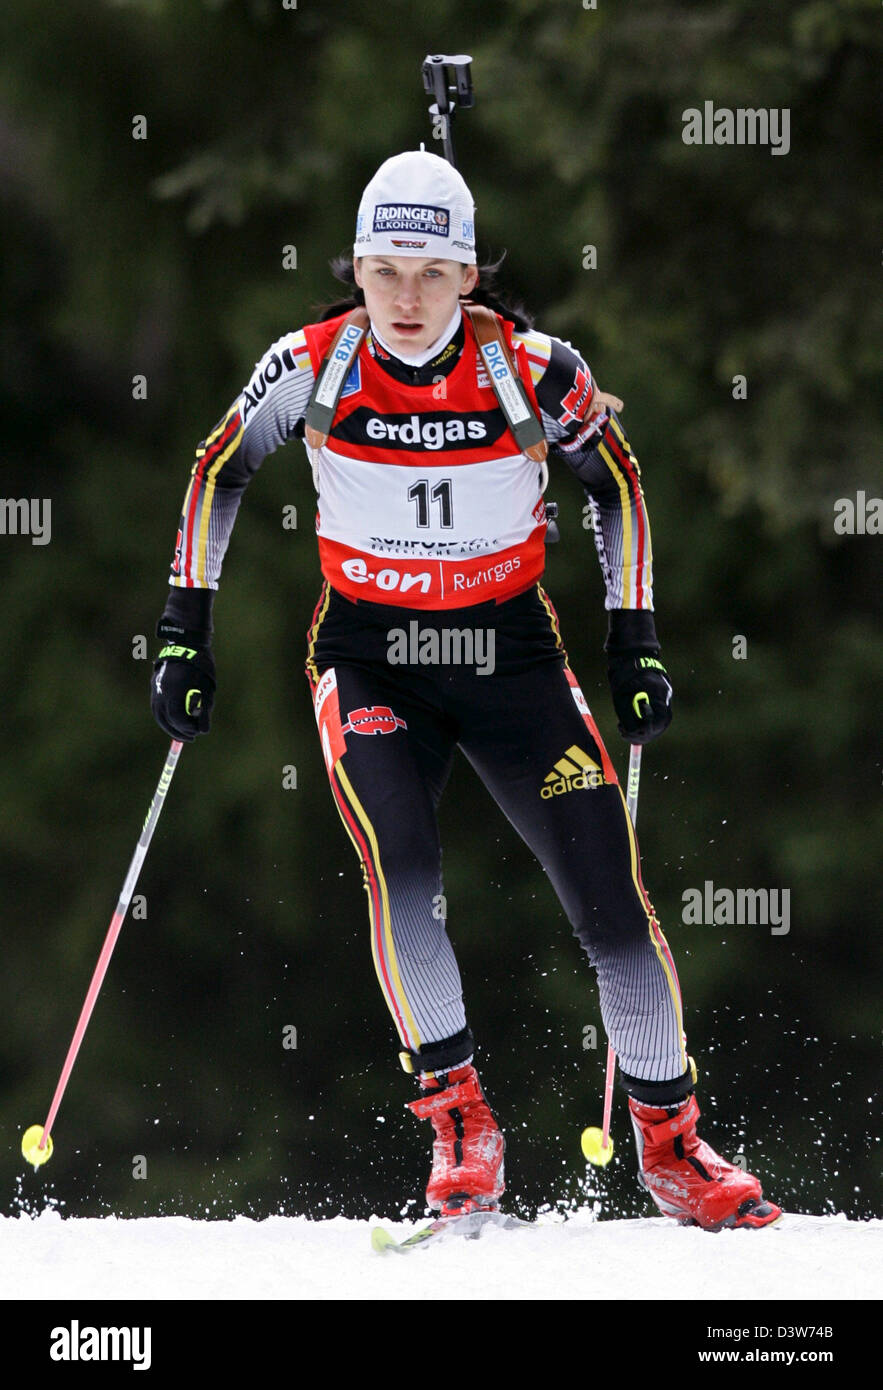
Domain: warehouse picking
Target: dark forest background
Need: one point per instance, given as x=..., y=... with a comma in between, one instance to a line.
x=163, y=258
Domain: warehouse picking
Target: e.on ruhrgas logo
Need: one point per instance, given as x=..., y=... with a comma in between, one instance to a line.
x=376, y=719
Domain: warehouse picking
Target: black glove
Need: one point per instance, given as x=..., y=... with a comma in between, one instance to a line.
x=638, y=680
x=182, y=687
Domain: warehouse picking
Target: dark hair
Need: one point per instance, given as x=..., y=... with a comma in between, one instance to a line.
x=485, y=292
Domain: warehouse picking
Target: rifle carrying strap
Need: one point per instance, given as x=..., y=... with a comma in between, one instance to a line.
x=495, y=351
x=332, y=374
x=506, y=381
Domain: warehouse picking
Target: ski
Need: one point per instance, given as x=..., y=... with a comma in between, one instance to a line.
x=469, y=1226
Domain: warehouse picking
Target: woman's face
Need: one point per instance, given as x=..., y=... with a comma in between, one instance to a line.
x=411, y=298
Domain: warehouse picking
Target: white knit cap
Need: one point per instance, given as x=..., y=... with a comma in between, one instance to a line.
x=417, y=205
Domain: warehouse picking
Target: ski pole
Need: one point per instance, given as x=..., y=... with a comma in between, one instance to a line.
x=597, y=1145
x=36, y=1145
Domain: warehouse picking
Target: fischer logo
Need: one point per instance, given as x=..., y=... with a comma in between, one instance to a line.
x=357, y=572
x=426, y=432
x=411, y=217
x=376, y=719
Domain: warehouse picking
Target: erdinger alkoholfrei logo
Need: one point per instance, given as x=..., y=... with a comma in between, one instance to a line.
x=376, y=719
x=411, y=217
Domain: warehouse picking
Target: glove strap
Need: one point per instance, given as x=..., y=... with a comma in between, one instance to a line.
x=175, y=633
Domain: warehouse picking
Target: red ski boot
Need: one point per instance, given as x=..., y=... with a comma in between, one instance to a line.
x=687, y=1179
x=467, y=1153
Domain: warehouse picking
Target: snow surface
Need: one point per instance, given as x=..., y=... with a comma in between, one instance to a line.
x=805, y=1257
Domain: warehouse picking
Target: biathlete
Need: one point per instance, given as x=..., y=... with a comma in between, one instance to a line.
x=428, y=408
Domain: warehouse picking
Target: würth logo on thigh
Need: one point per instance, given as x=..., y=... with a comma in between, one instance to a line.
x=376, y=719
